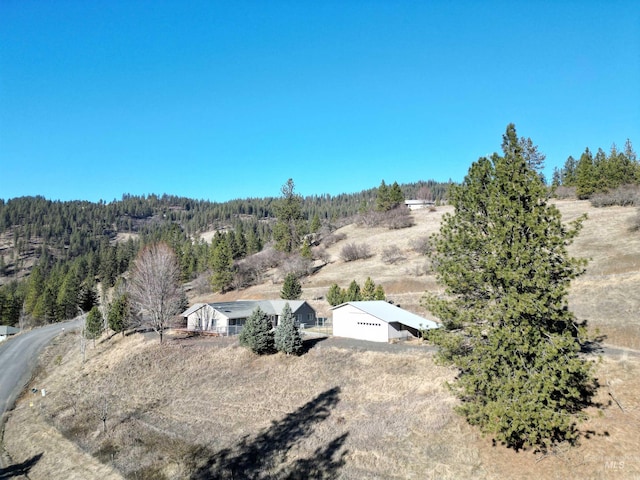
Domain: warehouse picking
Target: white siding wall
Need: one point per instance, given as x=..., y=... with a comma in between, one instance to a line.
x=206, y=319
x=350, y=322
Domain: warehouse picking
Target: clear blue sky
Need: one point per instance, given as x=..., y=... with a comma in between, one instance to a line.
x=221, y=100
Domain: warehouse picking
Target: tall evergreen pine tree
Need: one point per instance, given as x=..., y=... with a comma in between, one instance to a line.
x=291, y=290
x=287, y=337
x=503, y=259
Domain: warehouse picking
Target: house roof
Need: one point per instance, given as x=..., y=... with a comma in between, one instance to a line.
x=193, y=308
x=244, y=308
x=390, y=313
x=7, y=330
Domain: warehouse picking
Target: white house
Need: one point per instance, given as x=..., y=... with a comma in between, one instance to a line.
x=228, y=318
x=377, y=321
x=6, y=331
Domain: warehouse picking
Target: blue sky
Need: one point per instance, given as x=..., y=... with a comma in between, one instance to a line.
x=221, y=100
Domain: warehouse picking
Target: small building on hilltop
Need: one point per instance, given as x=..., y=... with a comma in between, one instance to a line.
x=418, y=204
x=228, y=318
x=377, y=321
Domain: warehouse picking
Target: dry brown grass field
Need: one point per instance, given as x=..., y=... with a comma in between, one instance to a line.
x=207, y=408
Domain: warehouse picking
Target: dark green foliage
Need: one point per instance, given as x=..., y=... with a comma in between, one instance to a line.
x=11, y=299
x=119, y=313
x=287, y=337
x=335, y=295
x=94, y=324
x=305, y=250
x=379, y=293
x=222, y=266
x=315, y=224
x=371, y=291
x=257, y=333
x=353, y=292
x=389, y=198
x=586, y=180
x=291, y=290
x=87, y=297
x=290, y=226
x=502, y=257
x=601, y=173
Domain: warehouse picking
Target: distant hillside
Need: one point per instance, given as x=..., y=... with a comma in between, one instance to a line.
x=75, y=245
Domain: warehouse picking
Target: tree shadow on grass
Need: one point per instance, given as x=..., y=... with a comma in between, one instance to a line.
x=309, y=343
x=266, y=455
x=19, y=468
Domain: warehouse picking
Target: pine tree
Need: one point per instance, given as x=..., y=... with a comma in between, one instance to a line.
x=382, y=199
x=568, y=176
x=287, y=337
x=353, y=292
x=290, y=226
x=222, y=266
x=335, y=296
x=396, y=197
x=257, y=333
x=315, y=224
x=503, y=259
x=379, y=293
x=369, y=290
x=119, y=313
x=291, y=290
x=93, y=325
x=585, y=176
x=305, y=250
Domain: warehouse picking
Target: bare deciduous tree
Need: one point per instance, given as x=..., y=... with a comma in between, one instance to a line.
x=155, y=286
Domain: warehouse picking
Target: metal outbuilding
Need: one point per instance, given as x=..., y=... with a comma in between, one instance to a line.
x=377, y=321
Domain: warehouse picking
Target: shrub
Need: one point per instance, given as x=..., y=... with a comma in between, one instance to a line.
x=320, y=253
x=398, y=218
x=353, y=251
x=565, y=192
x=391, y=255
x=393, y=219
x=333, y=238
x=296, y=265
x=624, y=196
x=419, y=269
x=422, y=245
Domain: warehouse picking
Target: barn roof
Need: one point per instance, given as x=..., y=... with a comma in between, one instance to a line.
x=391, y=313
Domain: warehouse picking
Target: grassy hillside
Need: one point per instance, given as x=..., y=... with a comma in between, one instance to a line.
x=607, y=295
x=200, y=408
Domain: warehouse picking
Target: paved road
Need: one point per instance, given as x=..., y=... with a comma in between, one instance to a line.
x=18, y=358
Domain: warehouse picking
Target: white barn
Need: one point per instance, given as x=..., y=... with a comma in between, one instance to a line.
x=228, y=318
x=377, y=321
